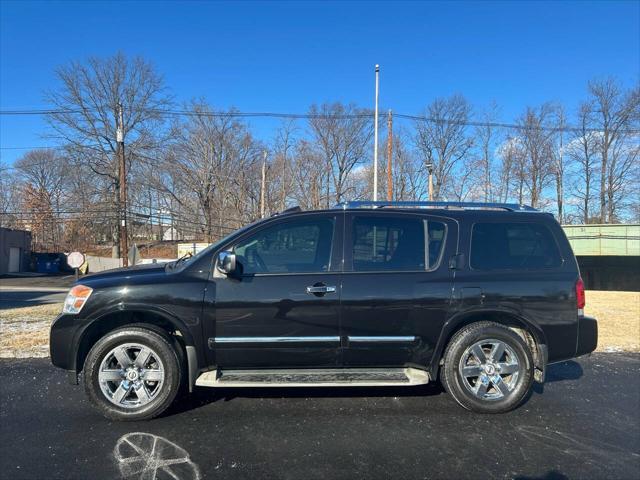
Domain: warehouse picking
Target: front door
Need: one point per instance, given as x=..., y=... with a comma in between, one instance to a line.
x=396, y=287
x=282, y=308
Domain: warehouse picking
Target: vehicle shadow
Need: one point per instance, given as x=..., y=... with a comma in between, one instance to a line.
x=558, y=372
x=202, y=396
x=550, y=475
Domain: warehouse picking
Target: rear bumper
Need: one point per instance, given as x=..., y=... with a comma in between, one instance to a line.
x=587, y=335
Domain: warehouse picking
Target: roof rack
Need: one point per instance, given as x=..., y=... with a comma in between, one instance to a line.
x=510, y=207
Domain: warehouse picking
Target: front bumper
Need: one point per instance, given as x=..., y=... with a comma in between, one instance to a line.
x=587, y=335
x=63, y=341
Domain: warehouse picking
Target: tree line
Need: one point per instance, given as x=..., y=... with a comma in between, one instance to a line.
x=194, y=171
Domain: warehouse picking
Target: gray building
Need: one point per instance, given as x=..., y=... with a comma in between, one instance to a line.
x=15, y=250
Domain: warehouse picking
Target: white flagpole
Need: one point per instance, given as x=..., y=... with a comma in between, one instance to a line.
x=375, y=140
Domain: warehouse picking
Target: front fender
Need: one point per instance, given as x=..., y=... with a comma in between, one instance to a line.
x=146, y=309
x=71, y=337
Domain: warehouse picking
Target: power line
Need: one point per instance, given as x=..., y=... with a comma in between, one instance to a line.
x=192, y=113
x=179, y=219
x=29, y=148
x=307, y=116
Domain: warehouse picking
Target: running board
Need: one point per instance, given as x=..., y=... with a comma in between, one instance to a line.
x=333, y=377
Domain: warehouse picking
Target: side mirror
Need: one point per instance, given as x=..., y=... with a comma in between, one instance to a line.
x=227, y=262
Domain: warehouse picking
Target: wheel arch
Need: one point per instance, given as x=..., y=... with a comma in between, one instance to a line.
x=528, y=330
x=154, y=319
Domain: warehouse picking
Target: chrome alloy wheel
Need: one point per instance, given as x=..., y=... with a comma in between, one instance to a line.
x=489, y=369
x=131, y=375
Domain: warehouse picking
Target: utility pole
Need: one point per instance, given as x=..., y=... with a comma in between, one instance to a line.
x=430, y=168
x=283, y=202
x=262, y=184
x=122, y=180
x=389, y=156
x=375, y=139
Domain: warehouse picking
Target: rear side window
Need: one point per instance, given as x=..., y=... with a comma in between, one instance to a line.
x=396, y=243
x=509, y=246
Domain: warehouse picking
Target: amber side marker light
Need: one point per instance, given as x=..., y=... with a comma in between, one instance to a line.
x=76, y=298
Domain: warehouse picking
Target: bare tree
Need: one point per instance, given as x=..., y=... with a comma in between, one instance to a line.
x=559, y=166
x=215, y=160
x=614, y=111
x=464, y=185
x=441, y=138
x=342, y=133
x=85, y=112
x=508, y=153
x=536, y=136
x=309, y=177
x=486, y=135
x=284, y=143
x=43, y=188
x=408, y=178
x=582, y=151
x=9, y=197
x=201, y=178
x=622, y=177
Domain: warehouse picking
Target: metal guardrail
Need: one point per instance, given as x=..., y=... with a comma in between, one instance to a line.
x=510, y=207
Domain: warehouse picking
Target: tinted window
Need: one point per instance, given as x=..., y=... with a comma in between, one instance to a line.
x=437, y=232
x=496, y=246
x=297, y=246
x=396, y=243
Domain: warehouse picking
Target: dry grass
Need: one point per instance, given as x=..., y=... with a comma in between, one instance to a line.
x=24, y=332
x=618, y=315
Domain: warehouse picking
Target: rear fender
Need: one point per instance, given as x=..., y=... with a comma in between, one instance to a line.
x=531, y=333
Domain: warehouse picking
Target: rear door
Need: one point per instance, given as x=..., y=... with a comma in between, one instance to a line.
x=396, y=286
x=283, y=309
x=517, y=266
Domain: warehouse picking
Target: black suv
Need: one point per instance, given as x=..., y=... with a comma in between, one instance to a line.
x=481, y=296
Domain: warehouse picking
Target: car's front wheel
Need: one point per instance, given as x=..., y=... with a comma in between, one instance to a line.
x=132, y=373
x=488, y=368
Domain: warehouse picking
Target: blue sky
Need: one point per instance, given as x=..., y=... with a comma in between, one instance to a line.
x=284, y=56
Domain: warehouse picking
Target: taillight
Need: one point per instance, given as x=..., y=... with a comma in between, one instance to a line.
x=580, y=296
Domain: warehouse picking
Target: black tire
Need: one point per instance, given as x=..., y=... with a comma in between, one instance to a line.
x=461, y=389
x=161, y=345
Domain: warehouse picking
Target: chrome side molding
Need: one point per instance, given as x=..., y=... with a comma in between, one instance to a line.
x=217, y=340
x=382, y=339
x=312, y=339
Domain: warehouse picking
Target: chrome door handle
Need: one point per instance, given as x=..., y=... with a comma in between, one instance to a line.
x=320, y=289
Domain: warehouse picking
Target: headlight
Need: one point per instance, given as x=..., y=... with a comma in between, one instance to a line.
x=76, y=298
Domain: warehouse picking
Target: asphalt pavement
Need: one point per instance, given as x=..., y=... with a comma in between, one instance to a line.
x=584, y=423
x=17, y=297
x=29, y=290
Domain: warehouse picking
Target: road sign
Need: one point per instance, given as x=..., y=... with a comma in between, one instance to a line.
x=75, y=259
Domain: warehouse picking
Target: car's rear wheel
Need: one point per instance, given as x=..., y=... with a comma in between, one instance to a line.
x=488, y=368
x=132, y=373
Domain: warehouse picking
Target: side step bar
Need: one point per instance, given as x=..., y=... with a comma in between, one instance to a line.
x=333, y=377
